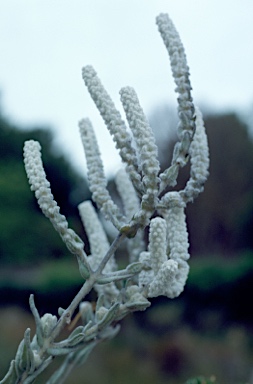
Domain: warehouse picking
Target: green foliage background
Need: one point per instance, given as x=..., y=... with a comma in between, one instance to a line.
x=26, y=237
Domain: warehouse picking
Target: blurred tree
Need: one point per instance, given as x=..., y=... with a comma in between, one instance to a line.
x=221, y=218
x=23, y=229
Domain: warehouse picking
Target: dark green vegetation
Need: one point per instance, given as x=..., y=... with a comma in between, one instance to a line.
x=206, y=331
x=26, y=237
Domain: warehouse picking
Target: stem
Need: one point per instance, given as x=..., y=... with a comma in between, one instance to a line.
x=115, y=244
x=66, y=316
x=86, y=288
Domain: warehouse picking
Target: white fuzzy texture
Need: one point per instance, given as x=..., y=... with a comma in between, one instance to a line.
x=39, y=183
x=130, y=200
x=199, y=154
x=180, y=71
x=157, y=243
x=131, y=205
x=48, y=322
x=170, y=280
x=199, y=151
x=171, y=199
x=98, y=241
x=167, y=276
x=163, y=279
x=145, y=276
x=147, y=150
x=96, y=177
x=114, y=123
x=177, y=233
x=171, y=276
x=99, y=245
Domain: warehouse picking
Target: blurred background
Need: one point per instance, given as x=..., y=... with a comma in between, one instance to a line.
x=209, y=329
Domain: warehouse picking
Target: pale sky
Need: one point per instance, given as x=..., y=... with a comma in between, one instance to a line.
x=45, y=43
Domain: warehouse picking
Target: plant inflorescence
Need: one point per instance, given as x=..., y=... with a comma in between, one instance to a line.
x=149, y=199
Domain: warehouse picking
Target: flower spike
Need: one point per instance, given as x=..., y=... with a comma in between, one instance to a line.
x=39, y=183
x=96, y=175
x=114, y=122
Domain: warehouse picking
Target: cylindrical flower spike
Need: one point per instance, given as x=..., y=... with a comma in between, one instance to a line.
x=131, y=205
x=157, y=243
x=170, y=279
x=97, y=180
x=169, y=200
x=98, y=241
x=177, y=233
x=163, y=279
x=199, y=154
x=130, y=200
x=99, y=246
x=180, y=71
x=37, y=179
x=114, y=123
x=145, y=276
x=147, y=149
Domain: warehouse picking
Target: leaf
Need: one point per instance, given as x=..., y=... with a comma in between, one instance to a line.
x=83, y=269
x=31, y=378
x=138, y=306
x=130, y=271
x=58, y=351
x=39, y=328
x=18, y=356
x=87, y=315
x=135, y=267
x=76, y=336
x=109, y=316
x=77, y=339
x=11, y=375
x=24, y=360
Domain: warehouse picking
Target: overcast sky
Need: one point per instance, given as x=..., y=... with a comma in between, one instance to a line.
x=45, y=43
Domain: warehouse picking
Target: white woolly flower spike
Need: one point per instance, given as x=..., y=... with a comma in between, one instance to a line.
x=131, y=205
x=186, y=111
x=171, y=277
x=97, y=180
x=99, y=246
x=156, y=255
x=177, y=234
x=199, y=154
x=180, y=71
x=130, y=200
x=157, y=243
x=145, y=276
x=147, y=148
x=164, y=279
x=114, y=123
x=169, y=200
x=98, y=241
x=37, y=179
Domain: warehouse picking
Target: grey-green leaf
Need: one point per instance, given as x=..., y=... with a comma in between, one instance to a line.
x=135, y=267
x=109, y=316
x=39, y=328
x=11, y=375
